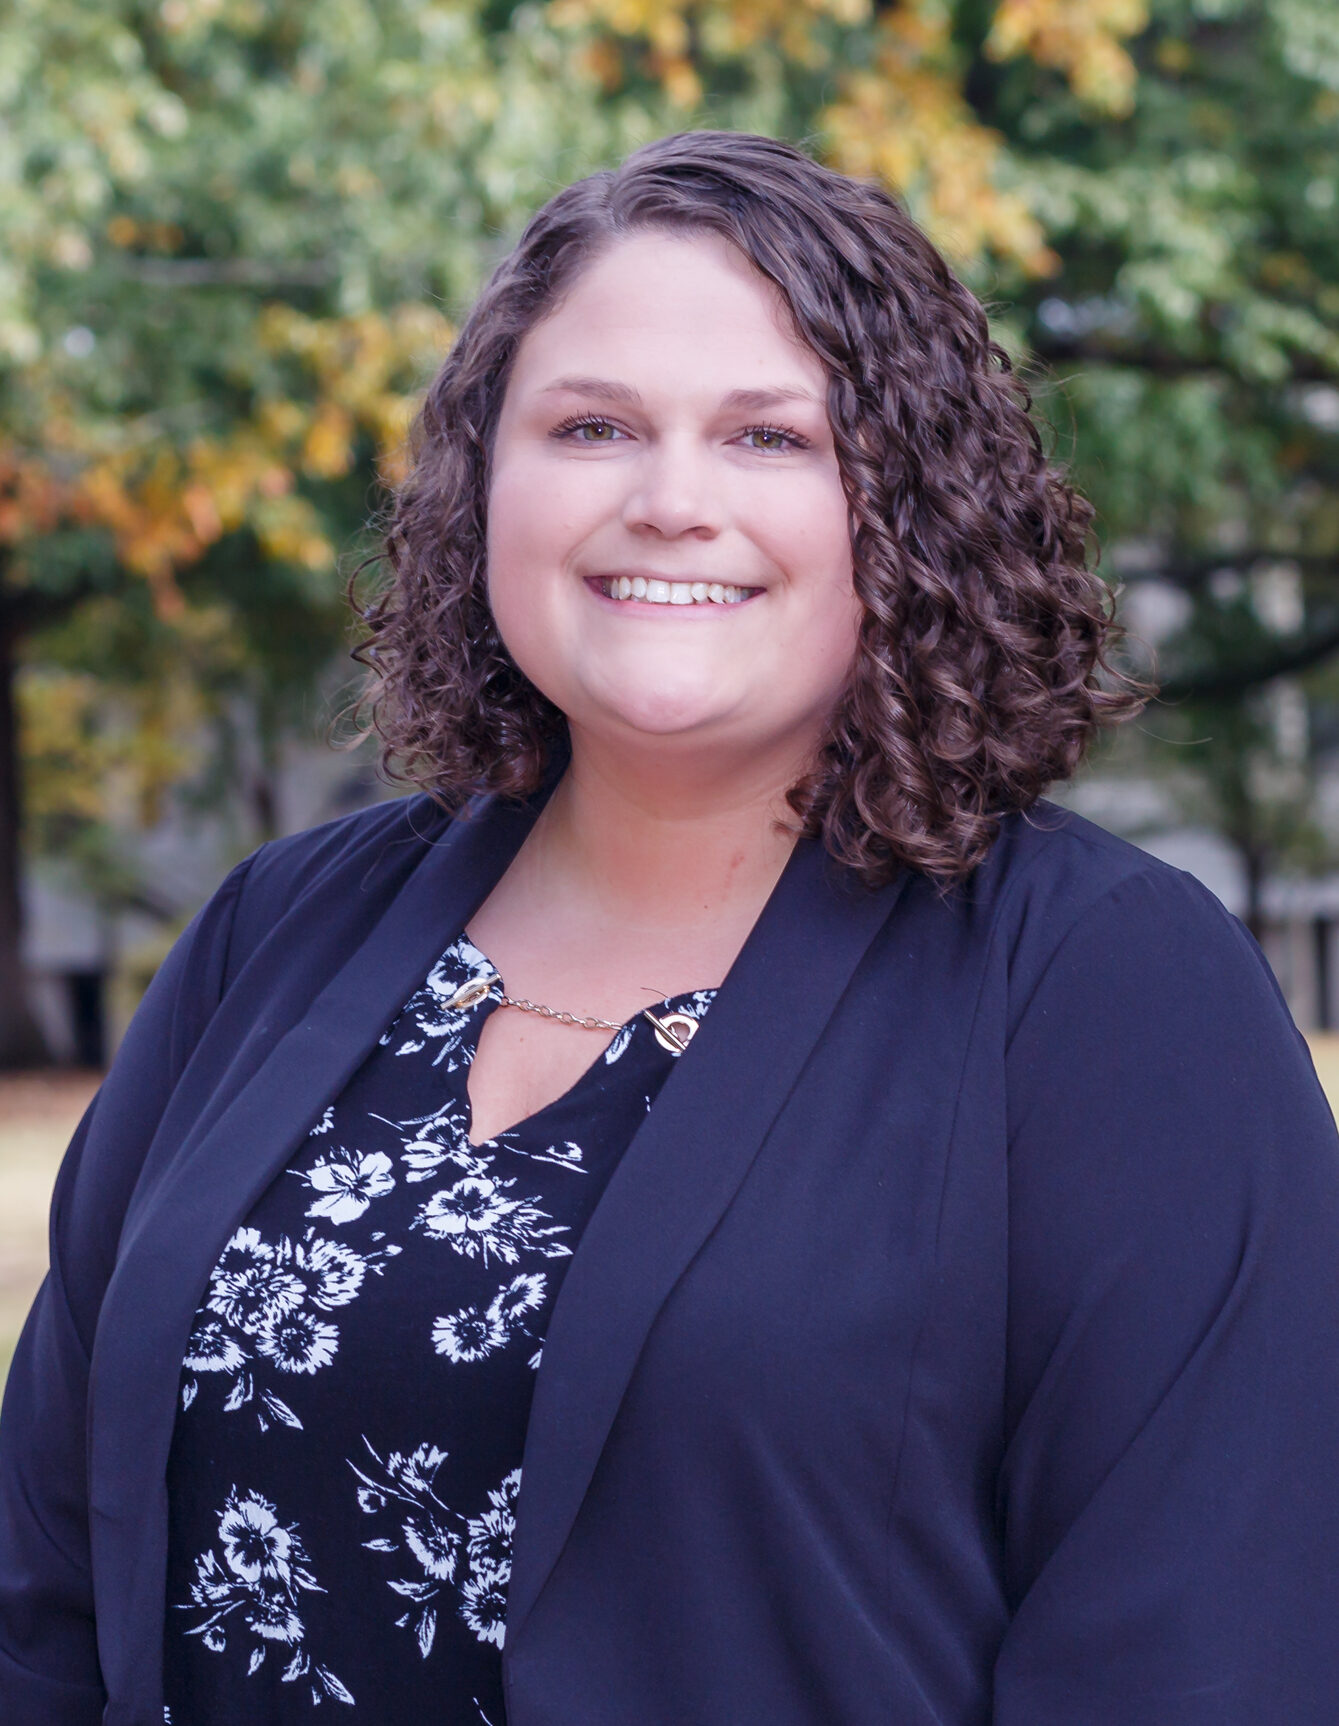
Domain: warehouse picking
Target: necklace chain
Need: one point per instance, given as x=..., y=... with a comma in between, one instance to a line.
x=674, y=1031
x=586, y=1024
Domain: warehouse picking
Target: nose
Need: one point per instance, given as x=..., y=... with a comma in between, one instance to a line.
x=674, y=492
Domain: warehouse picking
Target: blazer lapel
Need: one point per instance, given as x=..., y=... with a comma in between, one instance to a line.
x=674, y=1182
x=173, y=1240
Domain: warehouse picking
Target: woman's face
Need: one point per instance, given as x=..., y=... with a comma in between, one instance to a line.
x=669, y=556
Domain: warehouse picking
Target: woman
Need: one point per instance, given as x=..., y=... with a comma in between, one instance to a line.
x=923, y=1206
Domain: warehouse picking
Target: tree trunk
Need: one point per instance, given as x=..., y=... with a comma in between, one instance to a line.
x=1256, y=859
x=21, y=1042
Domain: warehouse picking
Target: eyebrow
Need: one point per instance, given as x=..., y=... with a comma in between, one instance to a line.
x=608, y=390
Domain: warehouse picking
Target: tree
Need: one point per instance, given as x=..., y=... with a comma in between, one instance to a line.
x=1194, y=337
x=231, y=233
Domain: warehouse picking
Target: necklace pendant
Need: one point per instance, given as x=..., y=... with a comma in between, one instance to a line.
x=473, y=991
x=674, y=1031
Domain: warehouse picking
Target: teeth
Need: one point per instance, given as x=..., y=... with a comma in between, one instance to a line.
x=673, y=592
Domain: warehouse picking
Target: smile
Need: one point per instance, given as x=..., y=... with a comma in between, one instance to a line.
x=653, y=592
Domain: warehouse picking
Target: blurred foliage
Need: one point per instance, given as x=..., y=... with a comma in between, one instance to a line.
x=231, y=236
x=234, y=235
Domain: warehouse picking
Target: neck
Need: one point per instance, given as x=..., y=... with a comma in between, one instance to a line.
x=659, y=844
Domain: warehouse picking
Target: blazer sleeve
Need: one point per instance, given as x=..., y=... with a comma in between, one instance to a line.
x=1169, y=1495
x=49, y=1673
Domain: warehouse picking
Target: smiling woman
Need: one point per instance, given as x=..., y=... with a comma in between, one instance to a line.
x=727, y=1210
x=736, y=332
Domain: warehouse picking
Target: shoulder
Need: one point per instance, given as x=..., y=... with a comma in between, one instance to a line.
x=361, y=858
x=355, y=842
x=1066, y=898
x=1050, y=859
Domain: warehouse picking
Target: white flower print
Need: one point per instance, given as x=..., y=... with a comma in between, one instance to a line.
x=433, y=1533
x=263, y=1571
x=431, y=1140
x=255, y=1543
x=436, y=1548
x=423, y=1157
x=566, y=1156
x=522, y=1294
x=428, y=1015
x=438, y=1538
x=484, y=1605
x=417, y=1471
x=471, y=1334
x=619, y=1044
x=274, y=1619
x=325, y=1124
x=252, y=1283
x=332, y=1272
x=298, y=1342
x=475, y=1217
x=468, y=1335
x=212, y=1349
x=347, y=1183
x=490, y=1538
x=259, y=1312
x=504, y=1495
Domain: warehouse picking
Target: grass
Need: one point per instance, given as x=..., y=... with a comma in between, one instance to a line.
x=38, y=1112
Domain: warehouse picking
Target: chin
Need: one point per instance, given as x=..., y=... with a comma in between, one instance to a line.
x=647, y=715
x=664, y=719
x=656, y=707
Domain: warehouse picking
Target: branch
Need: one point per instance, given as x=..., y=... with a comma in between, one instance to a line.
x=1224, y=683
x=1165, y=362
x=1192, y=572
x=227, y=272
x=29, y=608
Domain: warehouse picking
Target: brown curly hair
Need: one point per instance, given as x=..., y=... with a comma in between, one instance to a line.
x=980, y=675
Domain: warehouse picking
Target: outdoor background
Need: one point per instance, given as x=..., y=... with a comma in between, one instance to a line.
x=235, y=236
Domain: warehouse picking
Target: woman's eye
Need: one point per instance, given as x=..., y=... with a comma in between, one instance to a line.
x=589, y=431
x=770, y=438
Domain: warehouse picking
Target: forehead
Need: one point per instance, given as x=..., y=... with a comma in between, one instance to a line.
x=687, y=306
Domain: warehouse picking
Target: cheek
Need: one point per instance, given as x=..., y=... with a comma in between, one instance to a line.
x=550, y=505
x=541, y=514
x=525, y=515
x=832, y=640
x=529, y=529
x=832, y=618
x=537, y=524
x=809, y=538
x=516, y=549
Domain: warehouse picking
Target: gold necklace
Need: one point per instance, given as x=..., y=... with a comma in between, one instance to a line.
x=674, y=1031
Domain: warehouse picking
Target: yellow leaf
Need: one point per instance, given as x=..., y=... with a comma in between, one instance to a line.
x=1081, y=38
x=327, y=449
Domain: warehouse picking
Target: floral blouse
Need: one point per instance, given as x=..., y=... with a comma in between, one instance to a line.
x=354, y=1397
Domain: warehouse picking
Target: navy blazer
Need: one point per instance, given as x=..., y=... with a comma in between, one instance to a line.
x=956, y=1342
